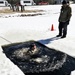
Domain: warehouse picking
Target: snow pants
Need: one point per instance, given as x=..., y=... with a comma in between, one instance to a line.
x=63, y=28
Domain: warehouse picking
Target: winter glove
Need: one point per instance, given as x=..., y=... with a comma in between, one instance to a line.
x=67, y=22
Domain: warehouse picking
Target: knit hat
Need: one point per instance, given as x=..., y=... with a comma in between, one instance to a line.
x=64, y=2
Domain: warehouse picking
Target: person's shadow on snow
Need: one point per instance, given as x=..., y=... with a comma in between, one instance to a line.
x=49, y=40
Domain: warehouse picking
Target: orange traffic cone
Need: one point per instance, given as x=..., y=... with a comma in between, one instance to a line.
x=52, y=27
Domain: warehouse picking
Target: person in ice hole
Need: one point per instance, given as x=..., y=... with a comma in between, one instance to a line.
x=32, y=51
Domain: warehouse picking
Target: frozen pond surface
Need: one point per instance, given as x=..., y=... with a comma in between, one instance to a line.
x=46, y=61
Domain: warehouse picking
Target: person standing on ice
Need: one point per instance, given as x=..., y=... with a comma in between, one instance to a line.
x=64, y=19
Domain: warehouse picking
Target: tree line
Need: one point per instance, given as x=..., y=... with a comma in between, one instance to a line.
x=36, y=1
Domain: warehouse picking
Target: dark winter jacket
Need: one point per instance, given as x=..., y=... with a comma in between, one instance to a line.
x=65, y=14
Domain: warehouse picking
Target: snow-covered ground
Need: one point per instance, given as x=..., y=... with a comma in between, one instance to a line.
x=20, y=29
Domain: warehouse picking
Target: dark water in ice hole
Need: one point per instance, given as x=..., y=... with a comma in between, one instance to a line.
x=46, y=61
